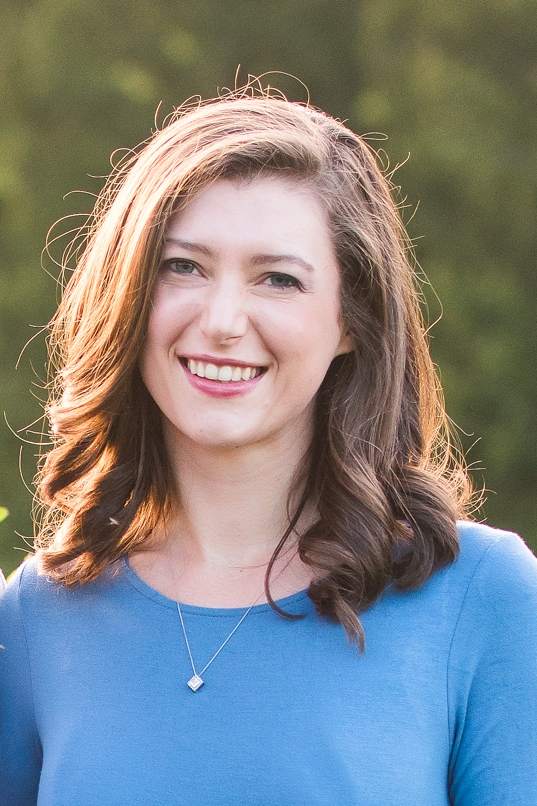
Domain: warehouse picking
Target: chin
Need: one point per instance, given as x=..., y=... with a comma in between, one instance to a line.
x=216, y=436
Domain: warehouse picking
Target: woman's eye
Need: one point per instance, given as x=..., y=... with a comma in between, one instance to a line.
x=176, y=266
x=277, y=280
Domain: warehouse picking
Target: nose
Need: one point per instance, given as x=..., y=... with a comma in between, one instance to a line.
x=224, y=315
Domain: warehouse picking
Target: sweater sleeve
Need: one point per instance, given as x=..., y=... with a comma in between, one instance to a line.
x=20, y=749
x=492, y=682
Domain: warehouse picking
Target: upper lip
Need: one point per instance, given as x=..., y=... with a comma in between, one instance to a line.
x=221, y=362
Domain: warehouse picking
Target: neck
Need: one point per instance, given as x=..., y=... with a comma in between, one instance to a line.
x=233, y=502
x=233, y=511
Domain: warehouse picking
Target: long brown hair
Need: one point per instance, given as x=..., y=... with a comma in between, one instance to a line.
x=380, y=471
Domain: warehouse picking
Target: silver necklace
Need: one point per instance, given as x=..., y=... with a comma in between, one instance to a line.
x=196, y=681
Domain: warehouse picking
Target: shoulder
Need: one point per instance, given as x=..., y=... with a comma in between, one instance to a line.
x=33, y=598
x=24, y=584
x=491, y=586
x=22, y=590
x=477, y=539
x=492, y=565
x=13, y=635
x=25, y=574
x=496, y=560
x=499, y=574
x=492, y=671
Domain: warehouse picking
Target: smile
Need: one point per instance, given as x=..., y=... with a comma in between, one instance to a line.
x=224, y=373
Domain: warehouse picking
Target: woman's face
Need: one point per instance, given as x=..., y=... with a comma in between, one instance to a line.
x=245, y=318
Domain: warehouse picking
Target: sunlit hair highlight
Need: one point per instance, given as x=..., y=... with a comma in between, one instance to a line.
x=381, y=473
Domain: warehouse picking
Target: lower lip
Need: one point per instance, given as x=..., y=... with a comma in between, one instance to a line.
x=221, y=388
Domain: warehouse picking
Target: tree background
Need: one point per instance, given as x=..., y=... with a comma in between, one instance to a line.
x=452, y=84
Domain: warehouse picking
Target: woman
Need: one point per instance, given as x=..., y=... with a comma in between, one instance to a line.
x=250, y=587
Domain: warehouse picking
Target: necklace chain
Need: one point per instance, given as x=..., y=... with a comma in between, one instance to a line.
x=196, y=681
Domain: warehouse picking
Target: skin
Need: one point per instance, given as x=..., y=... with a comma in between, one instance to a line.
x=249, y=278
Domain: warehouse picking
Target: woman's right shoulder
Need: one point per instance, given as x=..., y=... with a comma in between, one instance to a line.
x=35, y=597
x=29, y=592
x=18, y=600
x=24, y=577
x=22, y=587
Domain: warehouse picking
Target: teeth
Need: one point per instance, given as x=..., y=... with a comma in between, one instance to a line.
x=211, y=372
x=225, y=373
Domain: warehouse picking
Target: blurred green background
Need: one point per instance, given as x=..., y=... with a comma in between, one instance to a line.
x=453, y=85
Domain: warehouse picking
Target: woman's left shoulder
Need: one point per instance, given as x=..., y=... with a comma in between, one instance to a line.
x=482, y=545
x=492, y=673
x=499, y=566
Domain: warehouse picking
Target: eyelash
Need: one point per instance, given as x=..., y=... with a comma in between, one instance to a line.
x=290, y=281
x=169, y=265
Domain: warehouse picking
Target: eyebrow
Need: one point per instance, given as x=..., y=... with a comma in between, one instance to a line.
x=263, y=260
x=189, y=245
x=258, y=260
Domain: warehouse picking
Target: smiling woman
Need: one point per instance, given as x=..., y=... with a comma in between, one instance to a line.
x=218, y=305
x=251, y=476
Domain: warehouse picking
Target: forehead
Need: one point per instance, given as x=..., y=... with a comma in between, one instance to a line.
x=254, y=210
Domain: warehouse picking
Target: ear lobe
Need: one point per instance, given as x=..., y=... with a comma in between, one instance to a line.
x=345, y=345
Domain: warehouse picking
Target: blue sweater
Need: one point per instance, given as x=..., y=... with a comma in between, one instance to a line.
x=441, y=708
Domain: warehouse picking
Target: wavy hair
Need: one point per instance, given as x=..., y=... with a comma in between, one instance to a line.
x=386, y=485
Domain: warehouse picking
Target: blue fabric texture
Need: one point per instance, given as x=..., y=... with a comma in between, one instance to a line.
x=440, y=709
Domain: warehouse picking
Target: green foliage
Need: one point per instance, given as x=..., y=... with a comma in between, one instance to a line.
x=455, y=86
x=452, y=84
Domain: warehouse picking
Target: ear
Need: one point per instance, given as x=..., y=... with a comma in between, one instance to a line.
x=345, y=345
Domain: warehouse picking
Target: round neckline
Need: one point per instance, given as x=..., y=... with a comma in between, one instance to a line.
x=165, y=601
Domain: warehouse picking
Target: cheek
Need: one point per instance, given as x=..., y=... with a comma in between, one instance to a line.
x=148, y=369
x=318, y=332
x=150, y=354
x=155, y=354
x=170, y=314
x=314, y=320
x=304, y=345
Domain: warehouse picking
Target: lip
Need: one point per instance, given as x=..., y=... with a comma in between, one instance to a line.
x=219, y=388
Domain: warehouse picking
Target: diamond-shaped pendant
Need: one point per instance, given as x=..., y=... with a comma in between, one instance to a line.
x=195, y=683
